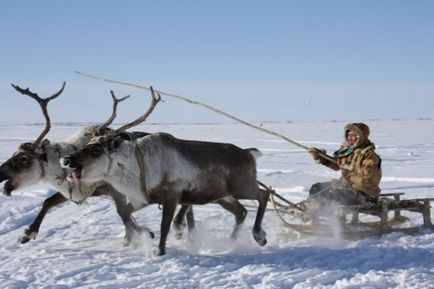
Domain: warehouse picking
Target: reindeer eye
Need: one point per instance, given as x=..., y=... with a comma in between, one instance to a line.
x=24, y=159
x=97, y=149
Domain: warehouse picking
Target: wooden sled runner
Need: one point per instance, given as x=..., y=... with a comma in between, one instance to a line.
x=354, y=228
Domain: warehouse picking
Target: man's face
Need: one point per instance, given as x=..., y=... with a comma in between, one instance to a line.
x=352, y=137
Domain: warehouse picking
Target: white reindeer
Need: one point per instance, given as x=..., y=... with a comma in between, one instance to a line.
x=159, y=168
x=39, y=161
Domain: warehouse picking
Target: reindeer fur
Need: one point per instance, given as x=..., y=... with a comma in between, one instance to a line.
x=159, y=168
x=29, y=166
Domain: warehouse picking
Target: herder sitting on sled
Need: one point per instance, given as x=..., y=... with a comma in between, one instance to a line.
x=360, y=167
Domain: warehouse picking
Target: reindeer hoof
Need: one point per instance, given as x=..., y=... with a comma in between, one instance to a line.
x=178, y=228
x=131, y=236
x=126, y=242
x=26, y=236
x=157, y=252
x=178, y=235
x=145, y=230
x=260, y=237
x=178, y=232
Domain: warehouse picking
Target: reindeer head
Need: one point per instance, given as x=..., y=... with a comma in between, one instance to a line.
x=93, y=161
x=25, y=165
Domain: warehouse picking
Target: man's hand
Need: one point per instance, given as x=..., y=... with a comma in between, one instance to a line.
x=315, y=153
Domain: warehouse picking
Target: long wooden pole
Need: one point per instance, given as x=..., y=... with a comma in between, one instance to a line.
x=139, y=86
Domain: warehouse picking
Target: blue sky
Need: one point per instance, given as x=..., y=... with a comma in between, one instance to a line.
x=259, y=60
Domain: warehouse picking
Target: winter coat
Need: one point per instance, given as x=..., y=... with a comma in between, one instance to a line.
x=359, y=164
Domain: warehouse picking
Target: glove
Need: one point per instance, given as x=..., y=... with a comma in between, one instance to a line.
x=314, y=152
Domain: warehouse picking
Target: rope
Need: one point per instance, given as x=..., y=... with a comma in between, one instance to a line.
x=276, y=204
x=139, y=86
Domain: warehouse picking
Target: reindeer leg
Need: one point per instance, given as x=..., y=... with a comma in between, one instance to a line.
x=169, y=207
x=33, y=229
x=259, y=234
x=190, y=219
x=125, y=211
x=240, y=213
x=179, y=220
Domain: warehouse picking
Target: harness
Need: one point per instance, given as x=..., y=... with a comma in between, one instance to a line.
x=62, y=178
x=140, y=161
x=142, y=169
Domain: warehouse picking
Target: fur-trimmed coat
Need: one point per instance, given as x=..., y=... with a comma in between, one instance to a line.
x=360, y=165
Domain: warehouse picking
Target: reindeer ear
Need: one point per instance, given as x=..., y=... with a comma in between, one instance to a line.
x=115, y=143
x=45, y=143
x=42, y=147
x=27, y=146
x=104, y=130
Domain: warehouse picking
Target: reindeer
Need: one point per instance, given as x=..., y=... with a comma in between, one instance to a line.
x=159, y=168
x=39, y=160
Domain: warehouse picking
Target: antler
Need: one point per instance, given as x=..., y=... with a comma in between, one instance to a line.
x=113, y=116
x=142, y=118
x=43, y=102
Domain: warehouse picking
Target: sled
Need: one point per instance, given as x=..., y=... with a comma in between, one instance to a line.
x=339, y=225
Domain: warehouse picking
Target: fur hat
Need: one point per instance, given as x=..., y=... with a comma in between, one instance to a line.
x=361, y=129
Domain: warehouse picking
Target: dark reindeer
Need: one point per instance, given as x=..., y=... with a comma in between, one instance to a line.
x=159, y=168
x=39, y=160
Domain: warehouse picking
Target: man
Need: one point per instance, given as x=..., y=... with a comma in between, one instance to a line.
x=360, y=168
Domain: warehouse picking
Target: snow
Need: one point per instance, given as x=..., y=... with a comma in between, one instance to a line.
x=81, y=246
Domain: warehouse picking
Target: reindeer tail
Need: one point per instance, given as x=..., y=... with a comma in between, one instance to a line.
x=254, y=152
